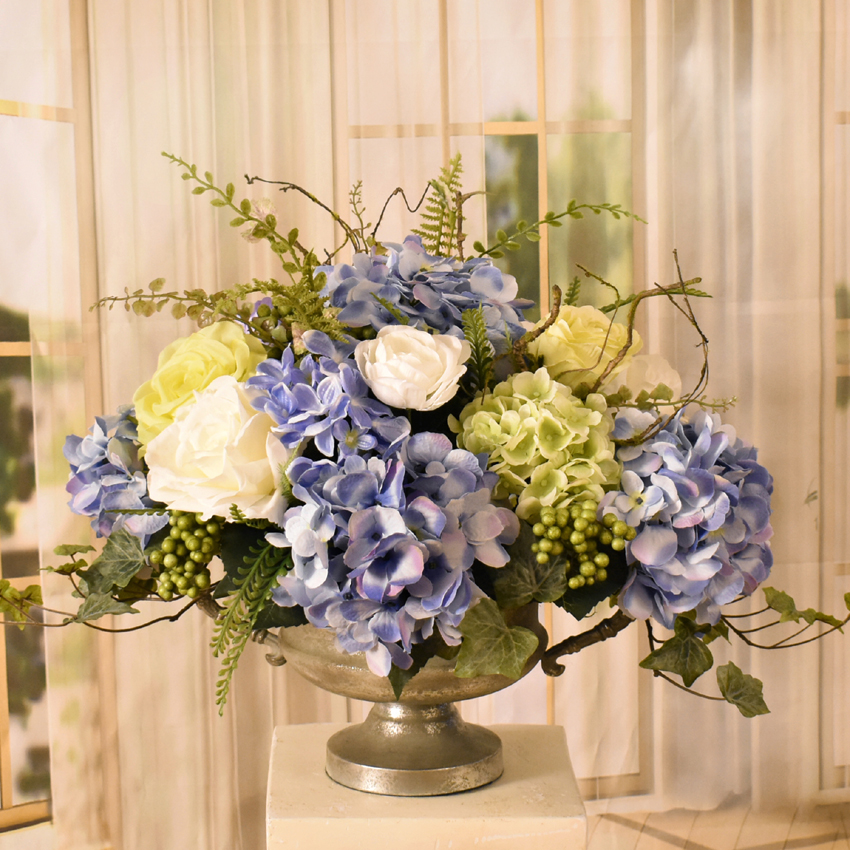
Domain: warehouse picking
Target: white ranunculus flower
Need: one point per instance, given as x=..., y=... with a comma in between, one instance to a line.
x=646, y=372
x=219, y=452
x=580, y=345
x=413, y=369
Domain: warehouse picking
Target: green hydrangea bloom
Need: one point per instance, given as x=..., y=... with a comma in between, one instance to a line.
x=547, y=446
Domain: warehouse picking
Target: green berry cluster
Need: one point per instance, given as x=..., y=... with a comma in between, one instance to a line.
x=183, y=555
x=575, y=533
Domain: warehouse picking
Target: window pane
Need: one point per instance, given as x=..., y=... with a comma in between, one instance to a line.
x=25, y=674
x=14, y=325
x=35, y=52
x=511, y=177
x=18, y=515
x=592, y=168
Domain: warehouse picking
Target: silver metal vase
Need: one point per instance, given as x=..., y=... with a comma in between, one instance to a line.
x=417, y=746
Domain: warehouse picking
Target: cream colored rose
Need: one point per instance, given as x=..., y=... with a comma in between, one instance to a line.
x=191, y=364
x=219, y=452
x=412, y=369
x=580, y=344
x=646, y=372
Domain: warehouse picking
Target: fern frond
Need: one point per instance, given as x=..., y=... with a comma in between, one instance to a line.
x=253, y=588
x=439, y=220
x=573, y=292
x=480, y=364
x=392, y=310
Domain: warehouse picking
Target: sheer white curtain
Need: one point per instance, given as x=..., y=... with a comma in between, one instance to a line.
x=733, y=165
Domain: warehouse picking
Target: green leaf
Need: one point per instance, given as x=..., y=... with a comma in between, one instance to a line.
x=788, y=612
x=521, y=224
x=783, y=604
x=156, y=285
x=218, y=202
x=208, y=176
x=847, y=600
x=718, y=630
x=97, y=605
x=199, y=190
x=275, y=616
x=238, y=221
x=742, y=690
x=683, y=654
x=479, y=247
x=178, y=310
x=245, y=206
x=229, y=190
x=497, y=255
x=490, y=645
x=581, y=602
x=532, y=236
x=523, y=580
x=66, y=549
x=121, y=559
x=15, y=603
x=501, y=236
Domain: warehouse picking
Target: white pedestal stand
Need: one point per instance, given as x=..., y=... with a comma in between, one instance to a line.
x=535, y=804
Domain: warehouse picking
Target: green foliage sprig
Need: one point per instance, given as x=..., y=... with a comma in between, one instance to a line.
x=251, y=584
x=480, y=364
x=439, y=227
x=531, y=232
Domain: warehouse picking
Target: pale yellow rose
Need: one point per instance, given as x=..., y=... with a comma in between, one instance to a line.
x=580, y=344
x=190, y=364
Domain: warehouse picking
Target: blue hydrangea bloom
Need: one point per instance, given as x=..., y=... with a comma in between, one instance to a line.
x=325, y=399
x=700, y=502
x=430, y=291
x=382, y=548
x=107, y=476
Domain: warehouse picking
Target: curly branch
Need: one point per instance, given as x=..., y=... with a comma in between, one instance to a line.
x=602, y=631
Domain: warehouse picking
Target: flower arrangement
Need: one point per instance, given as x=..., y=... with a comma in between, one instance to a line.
x=384, y=447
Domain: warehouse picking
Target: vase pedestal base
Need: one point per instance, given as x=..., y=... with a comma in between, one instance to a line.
x=414, y=751
x=534, y=805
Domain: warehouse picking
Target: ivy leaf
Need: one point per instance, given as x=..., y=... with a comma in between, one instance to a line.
x=785, y=606
x=490, y=645
x=523, y=580
x=683, y=654
x=742, y=690
x=812, y=616
x=121, y=559
x=67, y=549
x=16, y=604
x=98, y=605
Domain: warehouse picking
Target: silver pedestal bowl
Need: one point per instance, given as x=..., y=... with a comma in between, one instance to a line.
x=418, y=745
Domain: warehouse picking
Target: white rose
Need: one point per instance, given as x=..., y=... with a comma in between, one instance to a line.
x=646, y=372
x=219, y=452
x=408, y=368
